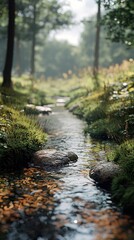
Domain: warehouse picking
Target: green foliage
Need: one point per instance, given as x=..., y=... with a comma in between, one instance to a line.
x=19, y=138
x=78, y=93
x=95, y=114
x=123, y=193
x=119, y=20
x=75, y=104
x=125, y=157
x=110, y=52
x=104, y=129
x=105, y=119
x=110, y=114
x=118, y=186
x=123, y=185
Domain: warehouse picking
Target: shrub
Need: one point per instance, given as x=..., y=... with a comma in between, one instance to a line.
x=98, y=113
x=98, y=129
x=104, y=129
x=125, y=157
x=123, y=192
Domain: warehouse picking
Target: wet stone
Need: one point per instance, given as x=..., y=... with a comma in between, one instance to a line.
x=53, y=158
x=103, y=173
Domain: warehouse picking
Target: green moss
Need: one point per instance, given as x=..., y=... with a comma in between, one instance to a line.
x=19, y=138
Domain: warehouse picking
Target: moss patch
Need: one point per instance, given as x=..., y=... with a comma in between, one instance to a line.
x=19, y=138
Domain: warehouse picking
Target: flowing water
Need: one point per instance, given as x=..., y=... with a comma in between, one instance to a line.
x=80, y=210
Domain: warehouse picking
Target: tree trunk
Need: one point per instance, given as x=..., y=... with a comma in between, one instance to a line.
x=97, y=45
x=18, y=57
x=33, y=41
x=7, y=82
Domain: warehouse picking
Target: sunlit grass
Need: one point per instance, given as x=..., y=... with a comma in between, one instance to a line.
x=63, y=86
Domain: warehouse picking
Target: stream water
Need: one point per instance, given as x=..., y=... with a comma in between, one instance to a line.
x=81, y=210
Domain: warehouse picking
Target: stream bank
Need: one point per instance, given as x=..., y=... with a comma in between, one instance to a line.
x=64, y=203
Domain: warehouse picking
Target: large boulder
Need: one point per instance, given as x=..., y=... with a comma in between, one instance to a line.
x=51, y=158
x=103, y=173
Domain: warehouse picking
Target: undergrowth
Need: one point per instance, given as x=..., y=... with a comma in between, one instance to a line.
x=123, y=185
x=108, y=115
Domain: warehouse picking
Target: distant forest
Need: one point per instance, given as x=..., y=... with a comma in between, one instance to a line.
x=54, y=58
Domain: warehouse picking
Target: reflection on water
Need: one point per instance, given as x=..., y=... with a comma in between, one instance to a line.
x=70, y=207
x=85, y=211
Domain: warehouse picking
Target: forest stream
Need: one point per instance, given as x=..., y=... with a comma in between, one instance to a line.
x=62, y=204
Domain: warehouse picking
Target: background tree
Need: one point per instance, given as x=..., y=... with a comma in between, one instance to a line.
x=42, y=16
x=7, y=82
x=97, y=44
x=56, y=58
x=21, y=35
x=110, y=52
x=3, y=31
x=32, y=18
x=119, y=20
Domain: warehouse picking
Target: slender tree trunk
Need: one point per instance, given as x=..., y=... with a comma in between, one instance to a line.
x=97, y=45
x=33, y=41
x=18, y=57
x=7, y=82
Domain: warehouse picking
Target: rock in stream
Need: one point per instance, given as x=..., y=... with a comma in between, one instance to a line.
x=104, y=172
x=52, y=158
